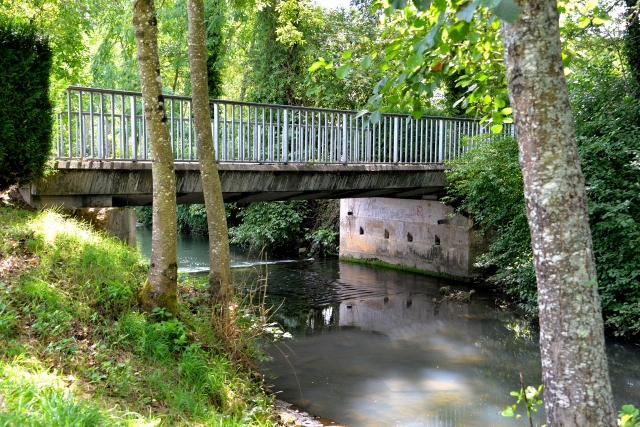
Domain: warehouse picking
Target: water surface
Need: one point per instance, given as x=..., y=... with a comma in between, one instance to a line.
x=377, y=347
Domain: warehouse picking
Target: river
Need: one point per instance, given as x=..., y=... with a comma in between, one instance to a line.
x=379, y=347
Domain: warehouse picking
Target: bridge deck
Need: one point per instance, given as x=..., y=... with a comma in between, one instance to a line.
x=115, y=183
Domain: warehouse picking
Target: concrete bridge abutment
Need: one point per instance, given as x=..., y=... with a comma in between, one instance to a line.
x=117, y=222
x=420, y=234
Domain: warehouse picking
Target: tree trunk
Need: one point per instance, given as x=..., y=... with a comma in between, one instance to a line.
x=577, y=391
x=219, y=274
x=161, y=287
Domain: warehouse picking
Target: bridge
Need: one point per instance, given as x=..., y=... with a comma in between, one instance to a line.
x=264, y=152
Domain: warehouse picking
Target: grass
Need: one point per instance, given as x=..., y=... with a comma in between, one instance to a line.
x=378, y=263
x=76, y=351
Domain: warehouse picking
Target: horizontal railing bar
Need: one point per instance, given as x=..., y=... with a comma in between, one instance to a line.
x=257, y=104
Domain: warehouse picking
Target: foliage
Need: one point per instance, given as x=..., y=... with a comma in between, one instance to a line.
x=343, y=30
x=632, y=41
x=26, y=114
x=486, y=184
x=628, y=416
x=68, y=304
x=270, y=223
x=278, y=54
x=531, y=397
x=608, y=131
x=67, y=25
x=424, y=43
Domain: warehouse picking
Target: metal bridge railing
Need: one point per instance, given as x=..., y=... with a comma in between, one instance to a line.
x=109, y=124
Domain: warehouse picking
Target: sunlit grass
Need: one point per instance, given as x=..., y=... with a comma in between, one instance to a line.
x=75, y=350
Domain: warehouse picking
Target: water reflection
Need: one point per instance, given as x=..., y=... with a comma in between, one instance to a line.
x=396, y=354
x=375, y=347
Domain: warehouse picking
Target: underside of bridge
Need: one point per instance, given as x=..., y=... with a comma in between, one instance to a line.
x=114, y=183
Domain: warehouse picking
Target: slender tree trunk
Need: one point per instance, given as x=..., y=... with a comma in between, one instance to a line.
x=577, y=391
x=161, y=287
x=219, y=274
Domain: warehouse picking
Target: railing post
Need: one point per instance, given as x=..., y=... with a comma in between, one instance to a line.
x=440, y=141
x=395, y=139
x=69, y=121
x=134, y=118
x=344, y=139
x=285, y=137
x=215, y=132
x=81, y=147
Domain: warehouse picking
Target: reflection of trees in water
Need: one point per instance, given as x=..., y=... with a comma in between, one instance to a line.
x=624, y=370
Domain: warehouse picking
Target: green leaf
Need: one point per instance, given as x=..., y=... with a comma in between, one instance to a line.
x=499, y=103
x=414, y=61
x=398, y=4
x=366, y=62
x=628, y=409
x=583, y=22
x=507, y=111
x=496, y=128
x=473, y=37
x=466, y=13
x=343, y=70
x=361, y=113
x=346, y=55
x=422, y=5
x=458, y=31
x=375, y=117
x=486, y=99
x=317, y=65
x=590, y=283
x=507, y=412
x=496, y=118
x=507, y=10
x=490, y=4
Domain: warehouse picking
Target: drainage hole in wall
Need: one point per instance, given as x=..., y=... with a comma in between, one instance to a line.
x=437, y=241
x=349, y=213
x=409, y=237
x=361, y=231
x=386, y=234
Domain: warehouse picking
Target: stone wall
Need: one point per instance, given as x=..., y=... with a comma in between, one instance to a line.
x=414, y=233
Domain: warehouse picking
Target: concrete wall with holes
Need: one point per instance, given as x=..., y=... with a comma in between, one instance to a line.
x=421, y=234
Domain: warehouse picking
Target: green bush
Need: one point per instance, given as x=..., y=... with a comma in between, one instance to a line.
x=25, y=109
x=486, y=183
x=608, y=130
x=270, y=223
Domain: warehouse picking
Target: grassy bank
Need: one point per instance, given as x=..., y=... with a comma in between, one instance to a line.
x=76, y=351
x=378, y=263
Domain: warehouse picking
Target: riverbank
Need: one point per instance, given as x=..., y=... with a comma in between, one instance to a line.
x=76, y=350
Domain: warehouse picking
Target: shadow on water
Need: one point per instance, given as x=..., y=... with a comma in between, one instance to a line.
x=377, y=347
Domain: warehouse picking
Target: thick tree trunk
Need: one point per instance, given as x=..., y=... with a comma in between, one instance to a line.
x=161, y=287
x=219, y=274
x=574, y=365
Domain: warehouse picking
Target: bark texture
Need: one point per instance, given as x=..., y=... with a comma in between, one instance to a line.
x=577, y=391
x=219, y=273
x=161, y=287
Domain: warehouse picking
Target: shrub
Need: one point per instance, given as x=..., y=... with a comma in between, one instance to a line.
x=25, y=109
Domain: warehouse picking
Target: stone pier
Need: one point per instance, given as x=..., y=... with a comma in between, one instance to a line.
x=422, y=234
x=117, y=222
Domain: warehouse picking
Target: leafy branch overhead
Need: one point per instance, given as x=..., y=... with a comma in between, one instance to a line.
x=425, y=42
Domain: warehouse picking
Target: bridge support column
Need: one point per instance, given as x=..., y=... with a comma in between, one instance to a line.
x=117, y=222
x=420, y=234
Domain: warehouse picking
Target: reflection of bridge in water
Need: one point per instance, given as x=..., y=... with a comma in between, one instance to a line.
x=265, y=152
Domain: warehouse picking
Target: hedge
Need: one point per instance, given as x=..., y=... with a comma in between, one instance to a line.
x=26, y=120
